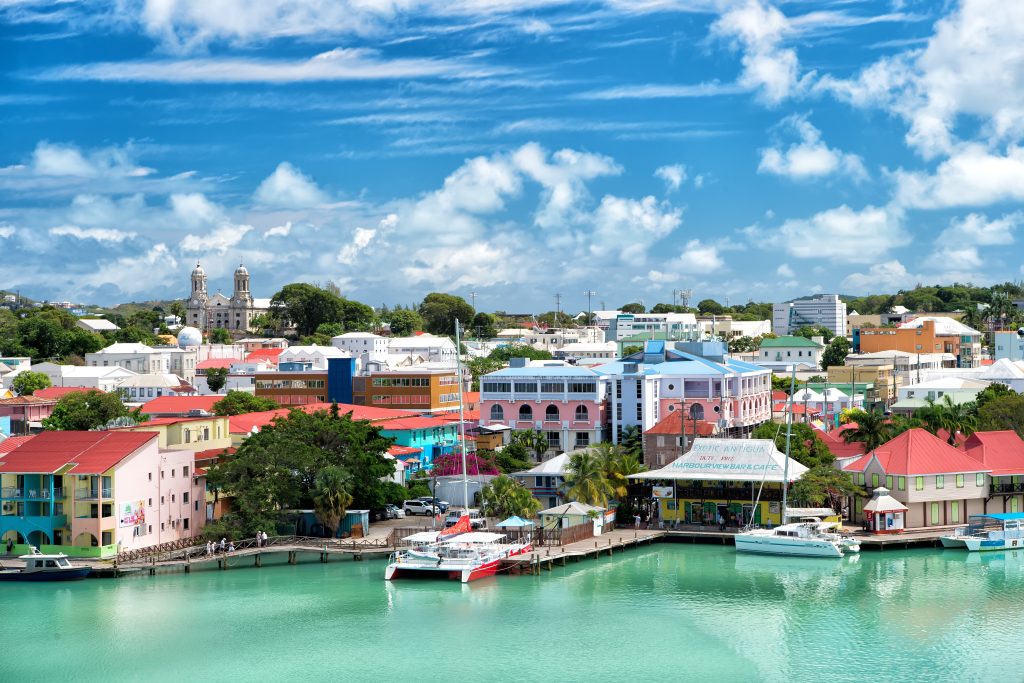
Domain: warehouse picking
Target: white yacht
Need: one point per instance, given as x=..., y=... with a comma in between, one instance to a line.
x=40, y=567
x=464, y=557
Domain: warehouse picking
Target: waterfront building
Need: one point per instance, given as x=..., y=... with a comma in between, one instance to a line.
x=546, y=480
x=573, y=514
x=825, y=310
x=425, y=387
x=940, y=484
x=712, y=387
x=720, y=478
x=565, y=402
x=94, y=494
x=926, y=334
x=673, y=326
x=782, y=353
x=1003, y=453
x=206, y=312
x=431, y=437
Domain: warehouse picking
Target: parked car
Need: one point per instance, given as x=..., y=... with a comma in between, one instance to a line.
x=442, y=505
x=378, y=514
x=419, y=507
x=395, y=512
x=476, y=520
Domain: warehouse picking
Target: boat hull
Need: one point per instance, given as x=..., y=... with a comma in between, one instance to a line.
x=766, y=544
x=977, y=544
x=62, y=575
x=441, y=570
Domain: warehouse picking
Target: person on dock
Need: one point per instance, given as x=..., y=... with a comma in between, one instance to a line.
x=231, y=547
x=10, y=546
x=259, y=539
x=721, y=522
x=636, y=521
x=264, y=539
x=223, y=544
x=209, y=547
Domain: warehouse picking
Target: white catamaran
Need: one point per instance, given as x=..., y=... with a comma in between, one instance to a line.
x=809, y=537
x=458, y=552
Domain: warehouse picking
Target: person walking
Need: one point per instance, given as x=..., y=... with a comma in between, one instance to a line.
x=223, y=544
x=636, y=521
x=264, y=539
x=721, y=522
x=259, y=538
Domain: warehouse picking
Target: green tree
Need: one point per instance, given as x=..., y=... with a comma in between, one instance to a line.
x=484, y=326
x=440, y=311
x=806, y=447
x=532, y=441
x=633, y=441
x=85, y=410
x=958, y=418
x=811, y=331
x=630, y=349
x=404, y=322
x=511, y=458
x=835, y=353
x=330, y=330
x=216, y=378
x=177, y=309
x=504, y=497
x=308, y=306
x=239, y=402
x=585, y=480
x=505, y=353
x=1005, y=411
x=27, y=383
x=710, y=307
x=633, y=308
x=219, y=335
x=992, y=391
x=823, y=484
x=263, y=322
x=331, y=496
x=617, y=463
x=873, y=429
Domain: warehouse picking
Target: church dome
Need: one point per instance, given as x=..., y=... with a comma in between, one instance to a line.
x=241, y=270
x=189, y=336
x=198, y=272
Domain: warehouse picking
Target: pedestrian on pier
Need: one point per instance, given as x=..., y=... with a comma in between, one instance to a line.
x=223, y=544
x=209, y=547
x=231, y=547
x=264, y=539
x=721, y=522
x=259, y=539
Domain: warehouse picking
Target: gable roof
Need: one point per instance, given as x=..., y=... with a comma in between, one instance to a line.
x=179, y=405
x=669, y=425
x=248, y=422
x=789, y=342
x=79, y=452
x=917, y=451
x=264, y=356
x=216, y=363
x=59, y=392
x=12, y=442
x=1002, y=451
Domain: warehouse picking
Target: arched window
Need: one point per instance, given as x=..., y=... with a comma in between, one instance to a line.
x=525, y=413
x=497, y=414
x=696, y=412
x=582, y=414
x=551, y=414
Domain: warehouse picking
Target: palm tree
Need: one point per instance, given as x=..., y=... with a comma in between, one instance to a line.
x=617, y=463
x=957, y=417
x=504, y=497
x=974, y=318
x=930, y=416
x=331, y=497
x=872, y=430
x=533, y=441
x=585, y=480
x=632, y=440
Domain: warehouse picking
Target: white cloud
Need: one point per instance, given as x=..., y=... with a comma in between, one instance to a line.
x=563, y=180
x=137, y=274
x=279, y=230
x=972, y=176
x=674, y=175
x=340, y=64
x=699, y=258
x=6, y=230
x=287, y=187
x=626, y=228
x=194, y=209
x=811, y=157
x=759, y=28
x=55, y=159
x=655, y=91
x=784, y=271
x=219, y=240
x=952, y=258
x=888, y=276
x=361, y=239
x=479, y=264
x=844, y=235
x=99, y=234
x=977, y=229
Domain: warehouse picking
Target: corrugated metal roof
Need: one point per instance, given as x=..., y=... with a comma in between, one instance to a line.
x=179, y=405
x=87, y=452
x=917, y=451
x=1002, y=451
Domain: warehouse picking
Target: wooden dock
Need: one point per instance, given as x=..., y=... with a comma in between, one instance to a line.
x=609, y=544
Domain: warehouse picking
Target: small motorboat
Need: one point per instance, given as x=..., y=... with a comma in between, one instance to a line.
x=40, y=567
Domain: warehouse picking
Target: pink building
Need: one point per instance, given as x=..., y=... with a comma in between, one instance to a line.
x=99, y=493
x=563, y=401
x=26, y=412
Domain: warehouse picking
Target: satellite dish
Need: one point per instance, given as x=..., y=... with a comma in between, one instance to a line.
x=1020, y=332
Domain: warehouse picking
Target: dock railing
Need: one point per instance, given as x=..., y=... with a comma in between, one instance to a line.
x=191, y=548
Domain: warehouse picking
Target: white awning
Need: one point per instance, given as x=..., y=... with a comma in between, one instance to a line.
x=728, y=460
x=422, y=537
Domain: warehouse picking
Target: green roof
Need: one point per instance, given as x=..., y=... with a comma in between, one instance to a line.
x=789, y=342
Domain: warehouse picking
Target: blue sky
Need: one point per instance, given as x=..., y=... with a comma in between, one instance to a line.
x=742, y=149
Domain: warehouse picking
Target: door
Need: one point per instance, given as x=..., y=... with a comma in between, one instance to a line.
x=934, y=521
x=711, y=513
x=954, y=511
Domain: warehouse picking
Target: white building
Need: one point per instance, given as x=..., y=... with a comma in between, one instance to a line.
x=89, y=377
x=782, y=353
x=142, y=388
x=365, y=347
x=425, y=348
x=553, y=338
x=317, y=355
x=825, y=310
x=144, y=359
x=909, y=367
x=587, y=353
x=96, y=325
x=675, y=326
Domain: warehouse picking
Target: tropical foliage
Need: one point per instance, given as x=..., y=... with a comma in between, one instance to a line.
x=806, y=447
x=85, y=410
x=331, y=497
x=504, y=497
x=239, y=402
x=823, y=484
x=586, y=481
x=451, y=464
x=216, y=378
x=873, y=429
x=307, y=307
x=27, y=383
x=440, y=311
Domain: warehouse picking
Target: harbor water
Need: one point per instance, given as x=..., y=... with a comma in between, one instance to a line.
x=667, y=612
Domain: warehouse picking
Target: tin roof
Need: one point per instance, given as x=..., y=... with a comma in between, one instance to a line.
x=84, y=452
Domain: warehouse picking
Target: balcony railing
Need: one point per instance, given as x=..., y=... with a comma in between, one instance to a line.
x=93, y=494
x=37, y=494
x=1007, y=488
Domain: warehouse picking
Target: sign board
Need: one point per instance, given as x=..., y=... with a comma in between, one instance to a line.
x=661, y=491
x=131, y=513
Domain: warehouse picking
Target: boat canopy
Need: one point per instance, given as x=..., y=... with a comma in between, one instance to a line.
x=728, y=460
x=422, y=537
x=797, y=513
x=476, y=537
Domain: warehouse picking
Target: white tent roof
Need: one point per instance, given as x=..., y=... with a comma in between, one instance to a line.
x=1003, y=368
x=881, y=501
x=728, y=460
x=943, y=325
x=422, y=537
x=572, y=508
x=475, y=537
x=556, y=466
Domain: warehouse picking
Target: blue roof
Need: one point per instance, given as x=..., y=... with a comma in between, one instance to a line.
x=1003, y=516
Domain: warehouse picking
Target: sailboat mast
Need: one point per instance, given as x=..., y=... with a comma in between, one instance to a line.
x=462, y=419
x=789, y=436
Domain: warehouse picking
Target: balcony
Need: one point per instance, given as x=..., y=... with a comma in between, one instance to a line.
x=1006, y=488
x=30, y=494
x=93, y=494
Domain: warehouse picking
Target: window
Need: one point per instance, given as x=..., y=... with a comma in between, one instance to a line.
x=888, y=481
x=901, y=482
x=553, y=441
x=696, y=412
x=874, y=480
x=582, y=414
x=497, y=387
x=582, y=439
x=979, y=479
x=497, y=413
x=954, y=511
x=184, y=497
x=161, y=500
x=919, y=483
x=184, y=522
x=551, y=413
x=860, y=478
x=582, y=387
x=184, y=470
x=618, y=388
x=172, y=473
x=150, y=502
x=935, y=513
x=526, y=387
x=195, y=506
x=639, y=389
x=940, y=481
x=552, y=387
x=151, y=476
x=959, y=483
x=172, y=497
x=525, y=413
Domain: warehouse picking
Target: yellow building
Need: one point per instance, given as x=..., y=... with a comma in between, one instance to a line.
x=721, y=478
x=188, y=433
x=884, y=378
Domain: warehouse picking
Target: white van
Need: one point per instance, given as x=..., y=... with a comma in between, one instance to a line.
x=476, y=520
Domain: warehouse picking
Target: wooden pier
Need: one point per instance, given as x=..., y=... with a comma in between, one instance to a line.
x=609, y=543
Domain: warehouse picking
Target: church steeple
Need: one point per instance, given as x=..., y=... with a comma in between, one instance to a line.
x=198, y=282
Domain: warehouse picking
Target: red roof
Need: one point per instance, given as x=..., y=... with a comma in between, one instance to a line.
x=12, y=442
x=158, y=421
x=779, y=395
x=213, y=453
x=216, y=363
x=1001, y=451
x=86, y=452
x=244, y=424
x=670, y=426
x=58, y=392
x=28, y=401
x=798, y=409
x=399, y=451
x=453, y=416
x=264, y=356
x=917, y=451
x=471, y=397
x=179, y=405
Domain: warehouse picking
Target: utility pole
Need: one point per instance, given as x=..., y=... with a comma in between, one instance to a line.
x=472, y=297
x=558, y=308
x=589, y=294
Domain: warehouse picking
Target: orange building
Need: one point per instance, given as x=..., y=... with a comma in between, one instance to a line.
x=929, y=334
x=427, y=390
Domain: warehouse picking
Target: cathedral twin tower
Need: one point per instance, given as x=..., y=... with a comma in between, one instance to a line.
x=207, y=312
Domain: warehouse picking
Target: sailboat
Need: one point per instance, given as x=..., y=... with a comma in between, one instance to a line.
x=806, y=538
x=457, y=552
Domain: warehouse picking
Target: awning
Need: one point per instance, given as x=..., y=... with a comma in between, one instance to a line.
x=475, y=537
x=515, y=521
x=710, y=459
x=422, y=537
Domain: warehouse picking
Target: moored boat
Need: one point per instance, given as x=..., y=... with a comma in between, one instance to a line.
x=802, y=539
x=463, y=557
x=996, y=531
x=40, y=567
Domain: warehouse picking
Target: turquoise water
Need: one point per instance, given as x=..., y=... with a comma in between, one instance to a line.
x=664, y=613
